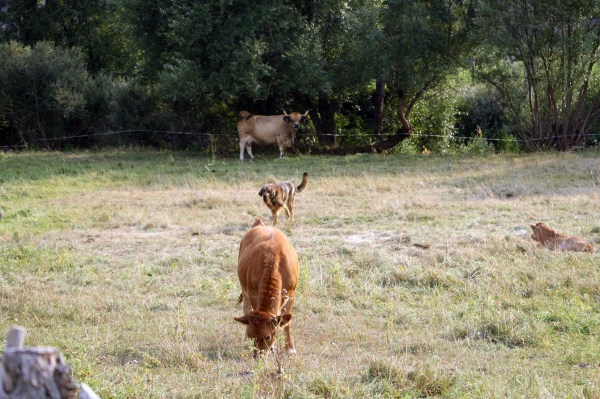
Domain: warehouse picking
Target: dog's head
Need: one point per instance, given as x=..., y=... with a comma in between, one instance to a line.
x=267, y=192
x=542, y=232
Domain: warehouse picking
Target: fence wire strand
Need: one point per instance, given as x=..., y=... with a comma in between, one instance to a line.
x=341, y=135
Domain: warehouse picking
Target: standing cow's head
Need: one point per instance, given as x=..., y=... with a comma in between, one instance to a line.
x=262, y=328
x=296, y=118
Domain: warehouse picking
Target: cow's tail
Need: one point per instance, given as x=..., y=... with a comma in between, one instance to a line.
x=304, y=183
x=244, y=115
x=240, y=299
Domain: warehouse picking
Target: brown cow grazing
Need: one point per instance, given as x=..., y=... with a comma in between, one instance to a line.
x=266, y=130
x=268, y=273
x=554, y=240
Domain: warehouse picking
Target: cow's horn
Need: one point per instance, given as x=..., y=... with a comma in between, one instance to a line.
x=285, y=113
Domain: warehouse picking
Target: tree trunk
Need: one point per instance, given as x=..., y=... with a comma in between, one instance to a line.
x=403, y=133
x=35, y=373
x=324, y=122
x=379, y=100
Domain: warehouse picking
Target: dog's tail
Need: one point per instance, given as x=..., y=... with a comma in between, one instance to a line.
x=304, y=183
x=240, y=299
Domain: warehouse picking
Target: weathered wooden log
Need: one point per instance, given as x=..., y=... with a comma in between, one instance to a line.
x=35, y=373
x=87, y=393
x=15, y=338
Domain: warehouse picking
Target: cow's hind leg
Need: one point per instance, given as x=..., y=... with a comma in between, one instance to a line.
x=249, y=148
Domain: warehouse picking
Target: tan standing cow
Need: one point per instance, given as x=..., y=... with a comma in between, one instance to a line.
x=266, y=130
x=268, y=273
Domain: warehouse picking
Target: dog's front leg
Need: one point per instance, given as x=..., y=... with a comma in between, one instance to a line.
x=274, y=213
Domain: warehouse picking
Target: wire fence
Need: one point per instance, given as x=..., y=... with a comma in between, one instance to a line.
x=341, y=135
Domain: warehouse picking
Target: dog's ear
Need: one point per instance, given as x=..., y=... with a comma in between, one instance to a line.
x=262, y=191
x=272, y=193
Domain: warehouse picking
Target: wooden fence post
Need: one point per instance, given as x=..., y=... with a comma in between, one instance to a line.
x=36, y=373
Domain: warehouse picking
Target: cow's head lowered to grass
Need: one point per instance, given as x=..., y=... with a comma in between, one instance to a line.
x=262, y=328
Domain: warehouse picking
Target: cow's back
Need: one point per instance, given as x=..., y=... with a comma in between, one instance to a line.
x=259, y=248
x=263, y=129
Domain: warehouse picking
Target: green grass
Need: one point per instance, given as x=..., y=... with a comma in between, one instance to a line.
x=418, y=277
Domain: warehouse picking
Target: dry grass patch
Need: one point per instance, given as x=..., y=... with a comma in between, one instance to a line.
x=418, y=277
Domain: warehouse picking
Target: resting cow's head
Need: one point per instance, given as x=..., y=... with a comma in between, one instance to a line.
x=542, y=232
x=295, y=118
x=262, y=328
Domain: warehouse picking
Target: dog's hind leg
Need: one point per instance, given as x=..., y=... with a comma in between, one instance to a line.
x=291, y=207
x=288, y=213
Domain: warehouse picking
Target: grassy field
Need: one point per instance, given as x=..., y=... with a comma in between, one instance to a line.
x=418, y=275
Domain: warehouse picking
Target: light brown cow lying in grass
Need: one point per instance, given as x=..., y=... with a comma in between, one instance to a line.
x=265, y=130
x=268, y=273
x=554, y=240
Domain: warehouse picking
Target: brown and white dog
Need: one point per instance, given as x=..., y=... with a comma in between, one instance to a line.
x=278, y=196
x=554, y=240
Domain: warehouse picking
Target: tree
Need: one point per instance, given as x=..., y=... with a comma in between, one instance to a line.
x=42, y=91
x=542, y=57
x=412, y=48
x=92, y=25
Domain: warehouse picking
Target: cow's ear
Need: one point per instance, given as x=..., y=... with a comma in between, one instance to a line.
x=243, y=319
x=282, y=320
x=287, y=119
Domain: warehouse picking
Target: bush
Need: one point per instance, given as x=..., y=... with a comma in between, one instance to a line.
x=42, y=93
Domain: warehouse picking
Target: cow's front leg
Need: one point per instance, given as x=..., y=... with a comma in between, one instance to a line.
x=281, y=151
x=287, y=332
x=241, y=150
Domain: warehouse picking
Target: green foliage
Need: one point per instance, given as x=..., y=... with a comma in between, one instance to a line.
x=92, y=66
x=42, y=91
x=542, y=59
